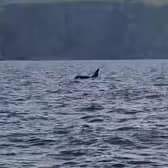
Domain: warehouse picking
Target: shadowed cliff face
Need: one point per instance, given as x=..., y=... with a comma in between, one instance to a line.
x=83, y=31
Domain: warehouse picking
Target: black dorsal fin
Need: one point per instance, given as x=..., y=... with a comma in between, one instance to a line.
x=96, y=74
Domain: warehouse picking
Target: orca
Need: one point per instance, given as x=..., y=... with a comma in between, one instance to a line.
x=95, y=75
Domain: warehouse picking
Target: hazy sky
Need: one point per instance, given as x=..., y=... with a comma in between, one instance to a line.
x=153, y=2
x=91, y=31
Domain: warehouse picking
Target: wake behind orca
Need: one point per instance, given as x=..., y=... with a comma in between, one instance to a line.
x=95, y=75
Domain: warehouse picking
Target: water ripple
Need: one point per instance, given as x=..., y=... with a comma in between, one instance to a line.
x=50, y=120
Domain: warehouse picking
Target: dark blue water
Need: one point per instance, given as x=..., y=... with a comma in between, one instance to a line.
x=50, y=120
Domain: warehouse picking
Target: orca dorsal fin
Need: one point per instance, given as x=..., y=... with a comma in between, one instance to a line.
x=96, y=73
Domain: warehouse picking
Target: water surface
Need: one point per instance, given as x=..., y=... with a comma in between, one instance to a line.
x=50, y=120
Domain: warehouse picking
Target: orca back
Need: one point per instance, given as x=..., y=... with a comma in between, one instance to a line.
x=95, y=75
x=81, y=77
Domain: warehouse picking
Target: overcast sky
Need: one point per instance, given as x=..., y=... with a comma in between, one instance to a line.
x=93, y=32
x=154, y=2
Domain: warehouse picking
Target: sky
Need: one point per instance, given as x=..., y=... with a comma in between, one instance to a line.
x=151, y=2
x=91, y=31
